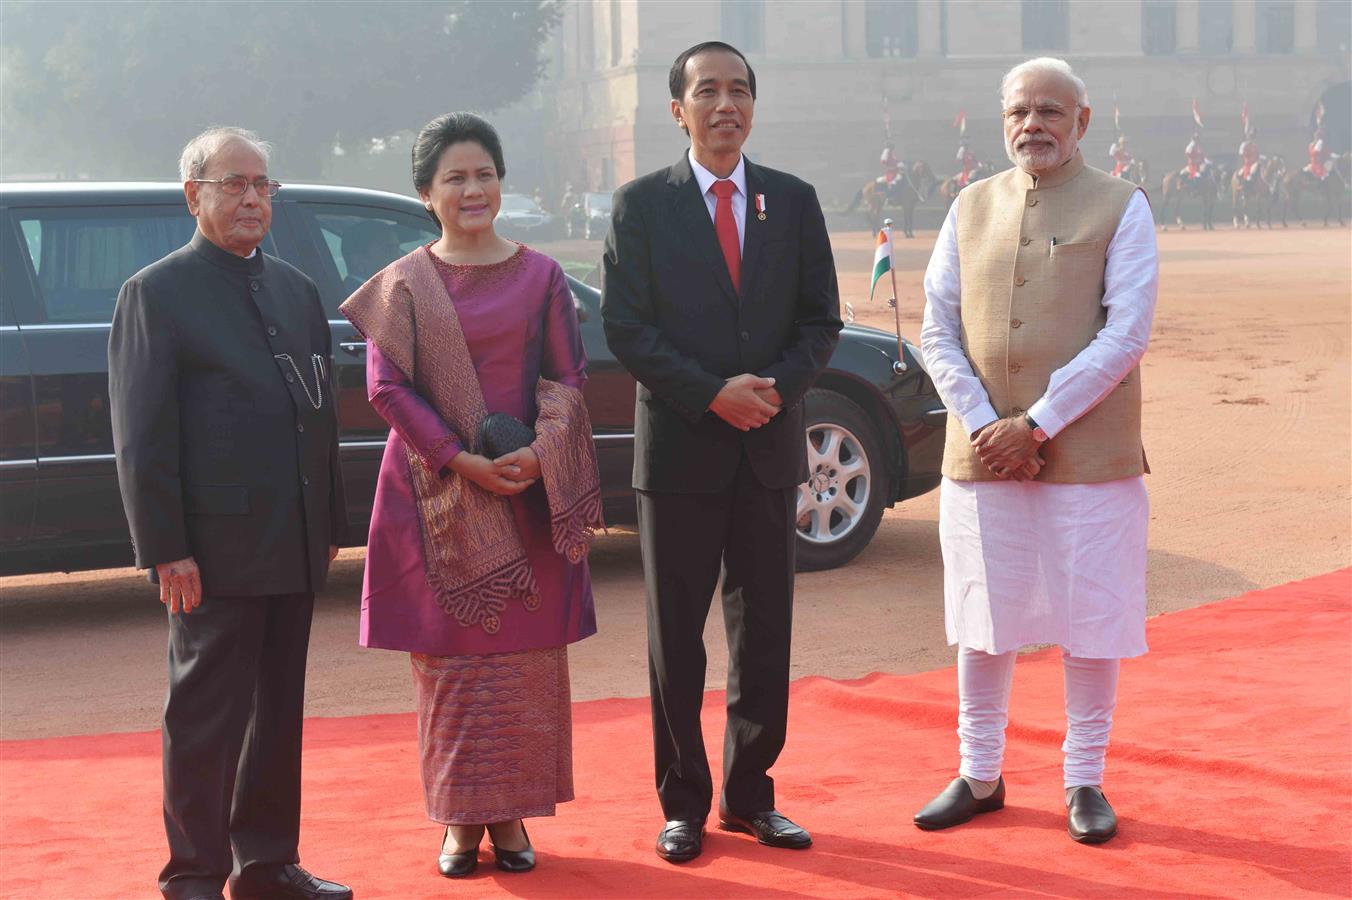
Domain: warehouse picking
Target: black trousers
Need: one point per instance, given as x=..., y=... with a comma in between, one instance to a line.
x=747, y=531
x=232, y=734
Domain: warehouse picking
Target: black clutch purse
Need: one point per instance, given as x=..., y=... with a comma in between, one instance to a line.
x=500, y=434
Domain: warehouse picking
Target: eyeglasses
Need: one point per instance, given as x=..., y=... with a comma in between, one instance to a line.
x=236, y=185
x=1048, y=114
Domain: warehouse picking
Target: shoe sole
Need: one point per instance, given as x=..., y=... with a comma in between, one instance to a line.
x=929, y=826
x=742, y=829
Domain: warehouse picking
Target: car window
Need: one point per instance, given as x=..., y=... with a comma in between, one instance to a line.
x=355, y=242
x=81, y=256
x=519, y=203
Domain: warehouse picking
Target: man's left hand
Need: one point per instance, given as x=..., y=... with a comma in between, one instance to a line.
x=770, y=396
x=1005, y=447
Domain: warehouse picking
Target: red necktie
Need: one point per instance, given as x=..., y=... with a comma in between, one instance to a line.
x=725, y=225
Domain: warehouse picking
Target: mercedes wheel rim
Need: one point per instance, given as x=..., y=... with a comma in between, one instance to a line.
x=831, y=503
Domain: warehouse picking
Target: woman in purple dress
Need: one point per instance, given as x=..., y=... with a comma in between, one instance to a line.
x=477, y=566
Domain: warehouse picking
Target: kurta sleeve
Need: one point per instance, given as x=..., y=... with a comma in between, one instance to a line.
x=393, y=396
x=562, y=357
x=143, y=372
x=941, y=334
x=1131, y=281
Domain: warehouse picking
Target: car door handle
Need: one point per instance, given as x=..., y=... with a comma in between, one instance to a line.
x=356, y=348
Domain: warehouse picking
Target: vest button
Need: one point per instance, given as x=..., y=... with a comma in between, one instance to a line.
x=254, y=286
x=1032, y=201
x=1020, y=281
x=272, y=331
x=1015, y=323
x=291, y=379
x=1014, y=367
x=1025, y=242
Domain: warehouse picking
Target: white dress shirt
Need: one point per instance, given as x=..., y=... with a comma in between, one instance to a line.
x=706, y=180
x=1028, y=562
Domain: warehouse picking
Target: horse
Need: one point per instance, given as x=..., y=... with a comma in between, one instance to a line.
x=911, y=188
x=1205, y=187
x=1253, y=198
x=1138, y=172
x=949, y=187
x=1332, y=189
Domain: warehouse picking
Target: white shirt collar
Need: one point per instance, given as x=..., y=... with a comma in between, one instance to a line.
x=706, y=178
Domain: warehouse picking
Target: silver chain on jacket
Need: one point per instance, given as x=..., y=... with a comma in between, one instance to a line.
x=320, y=373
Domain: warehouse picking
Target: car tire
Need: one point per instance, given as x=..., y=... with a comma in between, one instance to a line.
x=849, y=482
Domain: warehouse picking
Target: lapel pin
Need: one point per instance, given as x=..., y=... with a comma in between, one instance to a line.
x=760, y=207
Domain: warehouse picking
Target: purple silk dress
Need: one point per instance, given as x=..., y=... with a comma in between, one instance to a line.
x=519, y=324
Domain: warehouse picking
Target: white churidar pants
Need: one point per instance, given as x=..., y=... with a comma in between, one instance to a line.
x=984, y=681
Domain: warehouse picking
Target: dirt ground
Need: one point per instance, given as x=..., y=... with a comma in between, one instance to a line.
x=1247, y=411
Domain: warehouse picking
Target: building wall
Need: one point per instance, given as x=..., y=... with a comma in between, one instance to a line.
x=820, y=106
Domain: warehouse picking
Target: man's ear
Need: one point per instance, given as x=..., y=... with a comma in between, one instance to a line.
x=1084, y=121
x=678, y=114
x=190, y=189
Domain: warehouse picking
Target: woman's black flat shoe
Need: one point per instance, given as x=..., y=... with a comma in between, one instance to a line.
x=515, y=860
x=457, y=865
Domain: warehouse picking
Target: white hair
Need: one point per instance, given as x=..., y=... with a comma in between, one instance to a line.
x=1046, y=65
x=192, y=162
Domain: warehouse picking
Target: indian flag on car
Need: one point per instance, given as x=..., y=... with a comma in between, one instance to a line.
x=882, y=258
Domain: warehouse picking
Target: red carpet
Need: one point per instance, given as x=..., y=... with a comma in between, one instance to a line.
x=1230, y=771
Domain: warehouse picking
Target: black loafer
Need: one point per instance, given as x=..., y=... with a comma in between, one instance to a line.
x=207, y=897
x=514, y=860
x=288, y=882
x=1089, y=818
x=457, y=865
x=955, y=805
x=771, y=828
x=681, y=840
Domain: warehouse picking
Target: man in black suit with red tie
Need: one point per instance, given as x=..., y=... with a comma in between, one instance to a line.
x=720, y=297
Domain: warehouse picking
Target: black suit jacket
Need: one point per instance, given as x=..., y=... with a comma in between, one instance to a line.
x=221, y=454
x=674, y=321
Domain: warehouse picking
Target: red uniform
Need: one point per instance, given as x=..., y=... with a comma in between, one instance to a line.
x=1319, y=157
x=1196, y=157
x=969, y=163
x=1122, y=157
x=1248, y=154
x=890, y=165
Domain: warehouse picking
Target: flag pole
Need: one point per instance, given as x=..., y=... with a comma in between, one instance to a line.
x=900, y=365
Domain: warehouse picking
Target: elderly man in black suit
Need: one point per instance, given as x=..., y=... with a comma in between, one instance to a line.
x=720, y=297
x=227, y=455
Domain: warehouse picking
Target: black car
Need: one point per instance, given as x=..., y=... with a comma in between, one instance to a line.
x=874, y=429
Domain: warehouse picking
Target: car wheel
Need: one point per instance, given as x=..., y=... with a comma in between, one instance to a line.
x=841, y=503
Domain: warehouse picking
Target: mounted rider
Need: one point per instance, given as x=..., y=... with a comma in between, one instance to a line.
x=1319, y=155
x=1197, y=161
x=1249, y=156
x=891, y=164
x=1122, y=157
x=967, y=159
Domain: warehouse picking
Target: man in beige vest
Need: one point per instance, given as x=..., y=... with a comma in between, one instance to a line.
x=1040, y=295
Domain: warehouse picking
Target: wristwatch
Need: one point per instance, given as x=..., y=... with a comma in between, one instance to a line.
x=1038, y=434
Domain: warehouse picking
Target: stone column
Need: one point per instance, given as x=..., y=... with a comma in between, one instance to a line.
x=928, y=18
x=1246, y=26
x=1186, y=25
x=1307, y=29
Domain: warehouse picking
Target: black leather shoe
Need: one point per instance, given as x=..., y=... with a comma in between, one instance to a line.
x=514, y=860
x=288, y=882
x=771, y=828
x=457, y=865
x=681, y=840
x=207, y=897
x=955, y=805
x=1089, y=819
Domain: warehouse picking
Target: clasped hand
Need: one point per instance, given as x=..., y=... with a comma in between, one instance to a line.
x=747, y=402
x=509, y=474
x=1007, y=447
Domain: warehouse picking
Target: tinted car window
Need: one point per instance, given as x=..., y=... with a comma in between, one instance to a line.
x=80, y=257
x=355, y=242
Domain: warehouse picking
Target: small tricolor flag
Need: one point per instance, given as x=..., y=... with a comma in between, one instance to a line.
x=960, y=122
x=882, y=258
x=1197, y=113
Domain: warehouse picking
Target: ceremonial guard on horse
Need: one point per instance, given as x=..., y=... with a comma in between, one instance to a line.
x=1122, y=158
x=969, y=163
x=1249, y=156
x=1319, y=155
x=1197, y=161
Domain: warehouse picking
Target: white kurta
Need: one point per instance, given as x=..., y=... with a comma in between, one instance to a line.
x=1027, y=562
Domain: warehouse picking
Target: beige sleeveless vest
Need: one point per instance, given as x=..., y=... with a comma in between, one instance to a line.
x=1031, y=255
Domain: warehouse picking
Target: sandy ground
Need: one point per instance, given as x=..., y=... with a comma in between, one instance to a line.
x=1246, y=425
